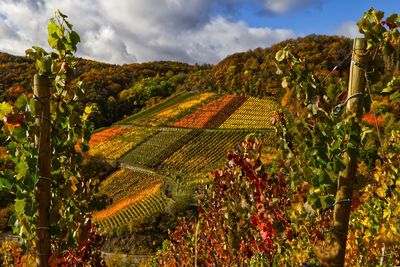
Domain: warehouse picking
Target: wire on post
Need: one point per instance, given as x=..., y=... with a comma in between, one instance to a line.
x=45, y=178
x=339, y=108
x=42, y=118
x=346, y=200
x=337, y=66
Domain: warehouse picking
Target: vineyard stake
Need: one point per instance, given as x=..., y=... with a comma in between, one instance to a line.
x=346, y=178
x=41, y=90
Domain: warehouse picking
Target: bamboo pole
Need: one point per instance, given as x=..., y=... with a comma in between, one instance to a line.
x=344, y=194
x=41, y=89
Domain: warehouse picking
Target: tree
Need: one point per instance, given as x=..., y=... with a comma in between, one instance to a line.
x=71, y=191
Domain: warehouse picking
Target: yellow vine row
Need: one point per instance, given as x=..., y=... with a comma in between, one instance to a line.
x=114, y=209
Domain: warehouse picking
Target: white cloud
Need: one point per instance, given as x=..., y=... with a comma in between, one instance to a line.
x=284, y=6
x=127, y=31
x=221, y=37
x=349, y=29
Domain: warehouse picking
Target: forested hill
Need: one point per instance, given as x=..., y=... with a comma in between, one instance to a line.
x=122, y=90
x=254, y=72
x=112, y=87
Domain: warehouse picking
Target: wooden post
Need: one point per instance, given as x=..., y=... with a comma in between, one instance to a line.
x=41, y=90
x=344, y=193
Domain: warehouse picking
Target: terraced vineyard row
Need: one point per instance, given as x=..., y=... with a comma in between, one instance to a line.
x=253, y=114
x=117, y=145
x=127, y=183
x=163, y=113
x=104, y=135
x=149, y=112
x=160, y=157
x=269, y=138
x=204, y=152
x=160, y=143
x=163, y=117
x=211, y=115
x=152, y=204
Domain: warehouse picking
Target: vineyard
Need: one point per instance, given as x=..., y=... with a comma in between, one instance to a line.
x=169, y=110
x=149, y=112
x=104, y=135
x=126, y=183
x=184, y=153
x=211, y=115
x=253, y=114
x=204, y=152
x=151, y=151
x=117, y=145
x=158, y=163
x=128, y=188
x=152, y=203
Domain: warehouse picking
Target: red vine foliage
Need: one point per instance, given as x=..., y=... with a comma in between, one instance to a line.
x=241, y=218
x=87, y=253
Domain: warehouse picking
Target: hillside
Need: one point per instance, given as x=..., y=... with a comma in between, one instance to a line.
x=254, y=72
x=167, y=151
x=122, y=90
x=104, y=83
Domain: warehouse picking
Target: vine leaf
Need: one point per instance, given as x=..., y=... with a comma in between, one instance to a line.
x=5, y=108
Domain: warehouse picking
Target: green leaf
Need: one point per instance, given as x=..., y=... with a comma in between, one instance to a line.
x=21, y=101
x=336, y=145
x=32, y=105
x=12, y=148
x=315, y=201
x=30, y=181
x=69, y=25
x=58, y=12
x=4, y=183
x=53, y=30
x=52, y=42
x=394, y=96
x=60, y=45
x=19, y=206
x=20, y=134
x=387, y=89
x=326, y=201
x=74, y=38
x=280, y=55
x=40, y=66
x=21, y=169
x=365, y=131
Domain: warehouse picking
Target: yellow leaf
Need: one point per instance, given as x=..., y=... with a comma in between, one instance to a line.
x=366, y=222
x=397, y=210
x=298, y=207
x=5, y=108
x=284, y=83
x=380, y=192
x=386, y=214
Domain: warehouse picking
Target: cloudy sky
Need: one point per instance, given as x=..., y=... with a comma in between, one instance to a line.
x=193, y=31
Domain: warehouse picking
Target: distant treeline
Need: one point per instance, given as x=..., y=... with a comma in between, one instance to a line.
x=122, y=90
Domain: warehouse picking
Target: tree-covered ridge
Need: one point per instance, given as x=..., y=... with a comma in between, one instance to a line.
x=113, y=87
x=104, y=83
x=254, y=73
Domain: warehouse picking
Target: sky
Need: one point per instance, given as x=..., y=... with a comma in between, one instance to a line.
x=192, y=31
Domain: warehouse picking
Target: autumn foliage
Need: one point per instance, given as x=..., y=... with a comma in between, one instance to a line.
x=241, y=218
x=373, y=120
x=103, y=135
x=211, y=115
